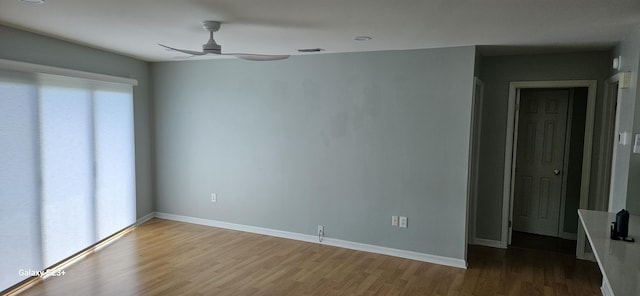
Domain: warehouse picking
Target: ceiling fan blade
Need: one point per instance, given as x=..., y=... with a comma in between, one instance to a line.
x=257, y=57
x=191, y=52
x=211, y=47
x=183, y=57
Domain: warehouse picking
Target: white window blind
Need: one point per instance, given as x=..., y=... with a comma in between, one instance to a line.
x=67, y=164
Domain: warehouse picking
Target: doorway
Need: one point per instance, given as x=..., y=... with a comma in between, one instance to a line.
x=542, y=117
x=548, y=163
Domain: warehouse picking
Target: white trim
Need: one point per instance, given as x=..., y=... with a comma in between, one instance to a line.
x=35, y=68
x=474, y=158
x=505, y=235
x=145, y=218
x=565, y=162
x=614, y=146
x=489, y=243
x=589, y=256
x=606, y=288
x=585, y=179
x=448, y=261
x=569, y=235
x=514, y=92
x=238, y=227
x=454, y=262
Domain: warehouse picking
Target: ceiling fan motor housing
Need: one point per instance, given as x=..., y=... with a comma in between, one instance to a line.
x=211, y=46
x=211, y=26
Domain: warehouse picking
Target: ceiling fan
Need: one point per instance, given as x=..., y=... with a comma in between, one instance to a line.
x=211, y=47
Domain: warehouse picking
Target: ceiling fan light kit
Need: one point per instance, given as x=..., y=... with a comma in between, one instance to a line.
x=212, y=47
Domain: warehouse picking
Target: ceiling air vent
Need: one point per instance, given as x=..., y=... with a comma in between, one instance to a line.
x=311, y=50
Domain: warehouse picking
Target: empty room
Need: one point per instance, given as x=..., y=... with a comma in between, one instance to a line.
x=276, y=147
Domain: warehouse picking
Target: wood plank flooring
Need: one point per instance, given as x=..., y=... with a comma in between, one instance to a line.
x=172, y=258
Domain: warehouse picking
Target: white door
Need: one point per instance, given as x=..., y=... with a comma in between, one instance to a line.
x=539, y=160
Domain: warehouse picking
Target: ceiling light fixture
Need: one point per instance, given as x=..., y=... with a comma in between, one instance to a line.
x=32, y=1
x=362, y=38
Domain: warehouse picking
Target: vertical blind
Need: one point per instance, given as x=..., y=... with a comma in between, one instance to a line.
x=67, y=176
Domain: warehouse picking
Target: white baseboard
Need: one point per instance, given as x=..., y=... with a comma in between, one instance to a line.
x=488, y=243
x=605, y=288
x=448, y=261
x=588, y=256
x=569, y=235
x=238, y=227
x=145, y=218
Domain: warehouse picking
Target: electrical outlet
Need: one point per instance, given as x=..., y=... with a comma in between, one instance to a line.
x=394, y=220
x=214, y=197
x=403, y=222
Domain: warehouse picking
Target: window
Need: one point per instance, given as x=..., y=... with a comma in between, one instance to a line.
x=67, y=176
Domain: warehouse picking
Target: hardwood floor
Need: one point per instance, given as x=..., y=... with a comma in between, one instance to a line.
x=172, y=258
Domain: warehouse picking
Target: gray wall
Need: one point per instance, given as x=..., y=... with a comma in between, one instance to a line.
x=342, y=140
x=23, y=46
x=497, y=72
x=627, y=187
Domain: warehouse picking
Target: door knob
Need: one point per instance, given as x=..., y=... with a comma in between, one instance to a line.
x=556, y=172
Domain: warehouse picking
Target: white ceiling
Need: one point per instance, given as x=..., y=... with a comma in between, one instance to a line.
x=135, y=27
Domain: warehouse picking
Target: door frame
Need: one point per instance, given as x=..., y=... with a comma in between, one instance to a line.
x=610, y=141
x=565, y=164
x=474, y=157
x=510, y=150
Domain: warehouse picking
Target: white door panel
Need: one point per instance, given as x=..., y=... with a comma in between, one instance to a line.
x=539, y=160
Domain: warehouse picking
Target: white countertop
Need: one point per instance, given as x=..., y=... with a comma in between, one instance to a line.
x=619, y=261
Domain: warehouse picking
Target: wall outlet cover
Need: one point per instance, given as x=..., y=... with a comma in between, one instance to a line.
x=625, y=80
x=394, y=220
x=403, y=222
